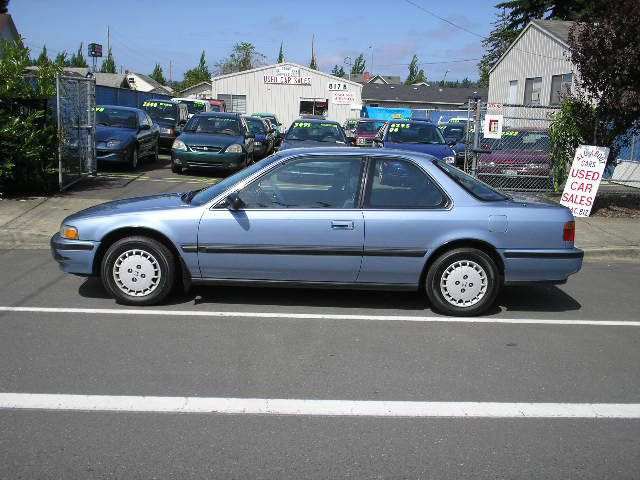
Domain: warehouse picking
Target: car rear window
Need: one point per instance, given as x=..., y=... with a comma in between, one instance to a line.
x=533, y=141
x=475, y=187
x=414, y=132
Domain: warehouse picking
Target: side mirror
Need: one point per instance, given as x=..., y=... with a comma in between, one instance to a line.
x=234, y=202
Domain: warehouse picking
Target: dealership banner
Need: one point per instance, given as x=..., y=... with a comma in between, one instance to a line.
x=344, y=98
x=584, y=179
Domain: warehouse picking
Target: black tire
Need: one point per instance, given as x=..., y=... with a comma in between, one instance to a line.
x=465, y=258
x=164, y=268
x=175, y=168
x=134, y=159
x=156, y=153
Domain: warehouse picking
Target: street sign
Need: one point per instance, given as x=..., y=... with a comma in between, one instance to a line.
x=584, y=179
x=494, y=108
x=492, y=127
x=95, y=50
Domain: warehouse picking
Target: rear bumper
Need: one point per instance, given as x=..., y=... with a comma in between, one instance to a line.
x=166, y=141
x=231, y=161
x=541, y=265
x=73, y=256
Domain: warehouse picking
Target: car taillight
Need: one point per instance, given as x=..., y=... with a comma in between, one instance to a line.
x=569, y=232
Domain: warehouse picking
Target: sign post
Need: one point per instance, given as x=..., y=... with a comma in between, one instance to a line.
x=584, y=179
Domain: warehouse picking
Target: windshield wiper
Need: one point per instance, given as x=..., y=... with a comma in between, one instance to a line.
x=188, y=196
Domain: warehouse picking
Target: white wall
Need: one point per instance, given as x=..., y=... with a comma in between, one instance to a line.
x=284, y=100
x=546, y=58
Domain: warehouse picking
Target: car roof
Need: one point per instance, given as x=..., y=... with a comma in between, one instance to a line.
x=360, y=151
x=120, y=107
x=219, y=114
x=263, y=115
x=163, y=100
x=411, y=120
x=315, y=120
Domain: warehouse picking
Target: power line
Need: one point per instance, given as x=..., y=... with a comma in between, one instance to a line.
x=443, y=19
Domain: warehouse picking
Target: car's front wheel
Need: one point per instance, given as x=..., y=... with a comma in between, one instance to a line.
x=463, y=282
x=133, y=158
x=138, y=270
x=176, y=168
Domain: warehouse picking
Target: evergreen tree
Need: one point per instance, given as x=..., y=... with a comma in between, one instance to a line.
x=359, y=66
x=416, y=75
x=158, y=75
x=61, y=59
x=42, y=59
x=337, y=71
x=281, y=53
x=77, y=59
x=198, y=74
x=466, y=83
x=313, y=64
x=109, y=64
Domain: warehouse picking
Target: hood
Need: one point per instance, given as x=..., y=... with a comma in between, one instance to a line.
x=132, y=205
x=437, y=150
x=214, y=139
x=515, y=157
x=308, y=144
x=104, y=133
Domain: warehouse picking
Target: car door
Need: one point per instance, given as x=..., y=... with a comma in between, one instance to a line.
x=144, y=134
x=300, y=222
x=404, y=210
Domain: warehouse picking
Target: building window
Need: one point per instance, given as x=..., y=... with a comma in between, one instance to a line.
x=560, y=88
x=532, y=88
x=513, y=91
x=234, y=103
x=314, y=106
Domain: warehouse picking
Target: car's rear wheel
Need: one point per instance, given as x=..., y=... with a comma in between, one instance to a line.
x=138, y=271
x=463, y=282
x=133, y=159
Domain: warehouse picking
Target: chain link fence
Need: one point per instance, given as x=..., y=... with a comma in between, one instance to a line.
x=520, y=160
x=75, y=109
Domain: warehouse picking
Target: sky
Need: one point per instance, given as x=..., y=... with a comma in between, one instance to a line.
x=145, y=32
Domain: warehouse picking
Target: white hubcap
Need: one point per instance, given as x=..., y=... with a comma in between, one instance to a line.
x=136, y=273
x=463, y=283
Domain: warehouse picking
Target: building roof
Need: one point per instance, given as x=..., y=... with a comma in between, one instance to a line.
x=157, y=86
x=6, y=23
x=117, y=80
x=419, y=93
x=556, y=28
x=197, y=87
x=302, y=67
x=390, y=79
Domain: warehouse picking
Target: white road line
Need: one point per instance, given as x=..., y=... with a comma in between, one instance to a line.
x=319, y=316
x=279, y=406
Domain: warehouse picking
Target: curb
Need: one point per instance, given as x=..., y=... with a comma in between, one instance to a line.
x=630, y=253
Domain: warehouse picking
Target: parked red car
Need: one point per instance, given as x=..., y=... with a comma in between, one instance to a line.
x=520, y=152
x=217, y=105
x=366, y=131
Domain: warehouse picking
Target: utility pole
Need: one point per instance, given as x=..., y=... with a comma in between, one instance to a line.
x=108, y=39
x=170, y=71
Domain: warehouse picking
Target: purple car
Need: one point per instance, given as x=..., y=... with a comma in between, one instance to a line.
x=367, y=130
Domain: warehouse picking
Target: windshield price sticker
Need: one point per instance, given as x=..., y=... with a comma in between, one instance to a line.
x=99, y=109
x=395, y=126
x=302, y=124
x=584, y=179
x=332, y=125
x=510, y=134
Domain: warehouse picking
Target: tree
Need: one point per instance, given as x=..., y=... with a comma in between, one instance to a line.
x=359, y=66
x=415, y=75
x=243, y=57
x=605, y=48
x=281, y=53
x=314, y=63
x=157, y=75
x=3, y=6
x=514, y=15
x=197, y=75
x=466, y=83
x=77, y=59
x=109, y=64
x=42, y=58
x=61, y=59
x=337, y=71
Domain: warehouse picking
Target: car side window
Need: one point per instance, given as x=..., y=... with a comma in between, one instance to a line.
x=397, y=183
x=310, y=182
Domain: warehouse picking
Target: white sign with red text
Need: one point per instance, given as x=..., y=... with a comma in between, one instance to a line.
x=584, y=179
x=492, y=127
x=344, y=98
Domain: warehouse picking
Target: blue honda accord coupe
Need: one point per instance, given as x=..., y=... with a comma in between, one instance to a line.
x=327, y=217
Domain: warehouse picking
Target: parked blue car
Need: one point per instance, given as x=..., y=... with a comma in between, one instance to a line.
x=315, y=132
x=299, y=217
x=125, y=135
x=264, y=137
x=455, y=134
x=417, y=136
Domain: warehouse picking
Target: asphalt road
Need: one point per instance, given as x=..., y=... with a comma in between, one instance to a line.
x=113, y=351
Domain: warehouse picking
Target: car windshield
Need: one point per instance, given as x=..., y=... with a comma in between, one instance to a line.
x=533, y=141
x=193, y=106
x=414, y=132
x=256, y=126
x=452, y=132
x=161, y=110
x=116, y=117
x=214, y=107
x=213, y=124
x=316, y=131
x=200, y=197
x=472, y=185
x=369, y=127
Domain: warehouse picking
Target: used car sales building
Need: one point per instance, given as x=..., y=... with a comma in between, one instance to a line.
x=288, y=90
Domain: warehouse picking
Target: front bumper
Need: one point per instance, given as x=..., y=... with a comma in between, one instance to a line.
x=74, y=256
x=540, y=265
x=165, y=141
x=111, y=155
x=230, y=161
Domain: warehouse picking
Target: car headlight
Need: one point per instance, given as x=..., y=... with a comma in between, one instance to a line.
x=257, y=144
x=113, y=143
x=178, y=145
x=449, y=160
x=168, y=131
x=68, y=232
x=235, y=148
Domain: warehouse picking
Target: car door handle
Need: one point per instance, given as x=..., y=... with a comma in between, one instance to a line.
x=342, y=224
